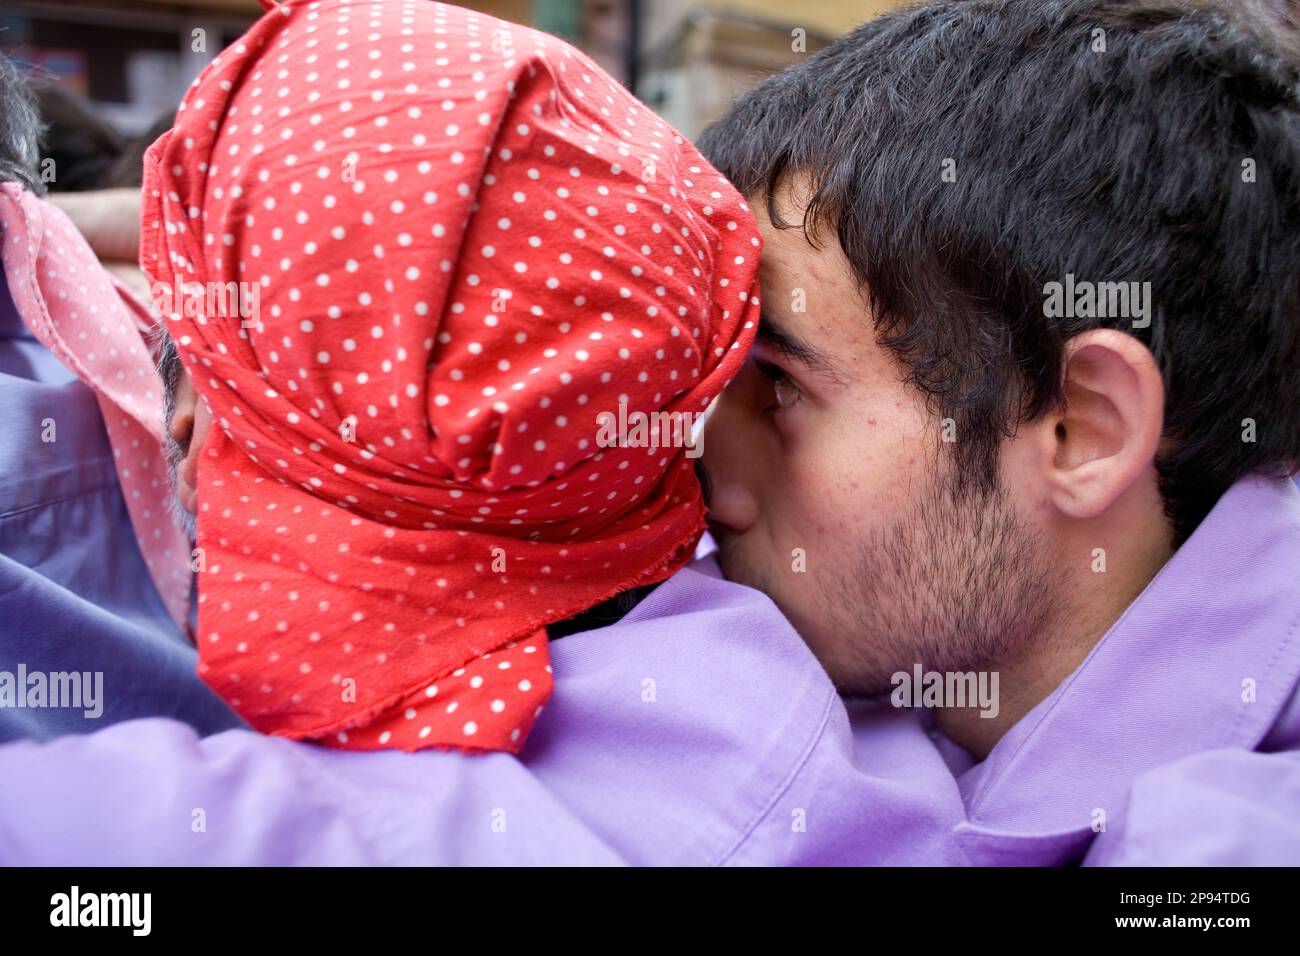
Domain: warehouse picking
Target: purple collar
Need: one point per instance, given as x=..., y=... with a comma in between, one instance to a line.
x=1207, y=657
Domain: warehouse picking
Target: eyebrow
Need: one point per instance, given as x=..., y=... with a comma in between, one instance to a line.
x=779, y=340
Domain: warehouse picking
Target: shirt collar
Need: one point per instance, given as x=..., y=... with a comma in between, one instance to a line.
x=1173, y=676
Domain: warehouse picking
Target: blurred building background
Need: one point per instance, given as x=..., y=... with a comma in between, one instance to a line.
x=110, y=72
x=689, y=59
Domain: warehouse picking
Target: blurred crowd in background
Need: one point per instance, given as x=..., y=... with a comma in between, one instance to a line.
x=108, y=75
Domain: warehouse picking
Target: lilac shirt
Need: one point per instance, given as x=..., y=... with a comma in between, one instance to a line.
x=75, y=594
x=700, y=730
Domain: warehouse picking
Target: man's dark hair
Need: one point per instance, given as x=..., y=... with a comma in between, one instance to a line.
x=81, y=143
x=20, y=129
x=1147, y=141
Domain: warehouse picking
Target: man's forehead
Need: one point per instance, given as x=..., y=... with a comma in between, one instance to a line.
x=799, y=253
x=813, y=307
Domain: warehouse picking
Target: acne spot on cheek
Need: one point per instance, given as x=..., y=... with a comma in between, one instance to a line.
x=871, y=421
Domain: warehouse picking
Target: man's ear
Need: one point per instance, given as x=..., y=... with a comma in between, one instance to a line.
x=1108, y=432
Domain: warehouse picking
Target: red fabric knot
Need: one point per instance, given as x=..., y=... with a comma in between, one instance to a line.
x=463, y=242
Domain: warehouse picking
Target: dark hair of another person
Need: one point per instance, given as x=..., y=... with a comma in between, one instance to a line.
x=1171, y=157
x=20, y=130
x=128, y=168
x=83, y=145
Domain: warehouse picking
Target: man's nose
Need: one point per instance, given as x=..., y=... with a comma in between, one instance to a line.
x=730, y=462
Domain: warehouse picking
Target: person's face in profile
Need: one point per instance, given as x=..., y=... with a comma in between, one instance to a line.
x=828, y=491
x=187, y=424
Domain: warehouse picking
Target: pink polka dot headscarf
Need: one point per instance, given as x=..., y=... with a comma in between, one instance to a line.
x=416, y=252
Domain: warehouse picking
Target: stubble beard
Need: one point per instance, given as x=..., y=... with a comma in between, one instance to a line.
x=957, y=582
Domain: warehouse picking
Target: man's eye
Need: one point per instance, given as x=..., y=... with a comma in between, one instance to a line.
x=784, y=392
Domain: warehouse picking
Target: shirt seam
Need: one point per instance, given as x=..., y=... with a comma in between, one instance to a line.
x=50, y=502
x=785, y=784
x=1284, y=698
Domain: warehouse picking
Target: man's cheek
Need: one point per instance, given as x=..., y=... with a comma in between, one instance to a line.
x=810, y=514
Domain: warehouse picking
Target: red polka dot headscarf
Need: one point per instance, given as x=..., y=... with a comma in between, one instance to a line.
x=410, y=255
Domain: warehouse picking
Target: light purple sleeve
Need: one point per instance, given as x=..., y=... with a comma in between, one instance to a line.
x=698, y=730
x=151, y=792
x=1215, y=808
x=670, y=739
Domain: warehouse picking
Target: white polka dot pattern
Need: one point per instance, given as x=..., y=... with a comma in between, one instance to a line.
x=467, y=242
